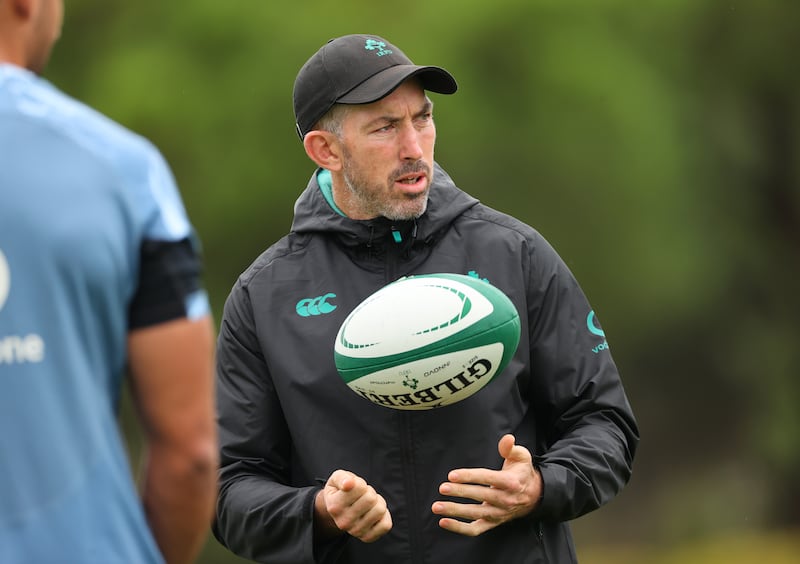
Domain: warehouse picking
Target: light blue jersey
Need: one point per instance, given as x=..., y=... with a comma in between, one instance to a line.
x=78, y=197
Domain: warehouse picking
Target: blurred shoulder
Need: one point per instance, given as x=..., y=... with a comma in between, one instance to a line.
x=38, y=102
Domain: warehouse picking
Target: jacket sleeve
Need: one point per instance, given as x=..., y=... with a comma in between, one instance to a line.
x=259, y=515
x=590, y=433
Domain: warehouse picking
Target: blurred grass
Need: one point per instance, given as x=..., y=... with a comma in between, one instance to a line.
x=777, y=547
x=751, y=547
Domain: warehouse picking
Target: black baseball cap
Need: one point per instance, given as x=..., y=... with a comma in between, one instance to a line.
x=357, y=69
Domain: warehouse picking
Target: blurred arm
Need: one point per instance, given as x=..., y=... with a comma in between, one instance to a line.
x=171, y=365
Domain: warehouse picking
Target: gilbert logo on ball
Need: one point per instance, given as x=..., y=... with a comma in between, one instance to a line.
x=427, y=341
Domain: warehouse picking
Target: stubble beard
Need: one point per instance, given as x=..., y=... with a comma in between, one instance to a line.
x=371, y=200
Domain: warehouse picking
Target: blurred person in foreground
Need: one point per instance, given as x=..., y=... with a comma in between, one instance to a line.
x=310, y=471
x=99, y=274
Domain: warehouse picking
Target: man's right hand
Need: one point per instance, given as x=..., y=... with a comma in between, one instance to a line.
x=347, y=504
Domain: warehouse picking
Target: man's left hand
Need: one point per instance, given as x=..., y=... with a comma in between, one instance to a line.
x=502, y=495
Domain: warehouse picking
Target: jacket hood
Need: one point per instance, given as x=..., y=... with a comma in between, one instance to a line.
x=313, y=213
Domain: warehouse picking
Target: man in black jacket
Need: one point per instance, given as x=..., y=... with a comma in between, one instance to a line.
x=312, y=472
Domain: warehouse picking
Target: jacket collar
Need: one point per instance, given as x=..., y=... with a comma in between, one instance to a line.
x=313, y=213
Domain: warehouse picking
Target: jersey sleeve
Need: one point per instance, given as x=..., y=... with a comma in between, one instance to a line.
x=169, y=283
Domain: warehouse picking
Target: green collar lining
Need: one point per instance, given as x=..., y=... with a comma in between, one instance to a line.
x=326, y=187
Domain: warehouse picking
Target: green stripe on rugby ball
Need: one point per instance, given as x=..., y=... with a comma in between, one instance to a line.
x=423, y=316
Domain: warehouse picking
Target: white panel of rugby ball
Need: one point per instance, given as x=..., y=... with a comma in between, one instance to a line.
x=427, y=341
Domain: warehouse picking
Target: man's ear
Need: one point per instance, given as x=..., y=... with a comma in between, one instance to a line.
x=324, y=149
x=23, y=8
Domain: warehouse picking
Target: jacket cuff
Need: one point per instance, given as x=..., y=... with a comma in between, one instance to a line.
x=551, y=501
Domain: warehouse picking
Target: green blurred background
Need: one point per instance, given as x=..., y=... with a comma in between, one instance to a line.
x=655, y=143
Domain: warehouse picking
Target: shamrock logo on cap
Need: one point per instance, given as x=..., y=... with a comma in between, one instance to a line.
x=372, y=45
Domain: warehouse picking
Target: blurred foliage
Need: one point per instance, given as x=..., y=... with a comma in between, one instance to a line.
x=777, y=547
x=657, y=145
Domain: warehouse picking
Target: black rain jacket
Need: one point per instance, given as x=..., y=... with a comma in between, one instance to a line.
x=287, y=420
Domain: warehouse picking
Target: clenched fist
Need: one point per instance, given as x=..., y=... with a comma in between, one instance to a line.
x=347, y=504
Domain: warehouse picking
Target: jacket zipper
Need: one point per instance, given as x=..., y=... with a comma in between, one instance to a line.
x=392, y=255
x=540, y=534
x=416, y=553
x=409, y=476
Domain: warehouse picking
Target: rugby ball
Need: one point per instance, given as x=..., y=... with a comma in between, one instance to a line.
x=427, y=341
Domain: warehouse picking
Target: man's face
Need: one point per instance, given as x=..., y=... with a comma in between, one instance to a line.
x=387, y=156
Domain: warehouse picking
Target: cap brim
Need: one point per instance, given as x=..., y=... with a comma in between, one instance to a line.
x=434, y=79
